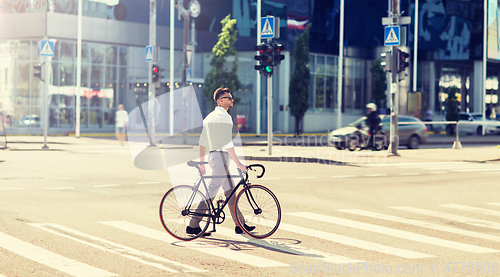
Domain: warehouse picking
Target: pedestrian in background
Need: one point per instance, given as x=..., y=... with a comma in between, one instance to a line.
x=121, y=118
x=373, y=123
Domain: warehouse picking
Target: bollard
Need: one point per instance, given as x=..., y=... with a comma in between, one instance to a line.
x=456, y=143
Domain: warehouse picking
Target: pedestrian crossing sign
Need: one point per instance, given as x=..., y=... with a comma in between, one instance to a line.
x=46, y=48
x=149, y=53
x=391, y=37
x=267, y=27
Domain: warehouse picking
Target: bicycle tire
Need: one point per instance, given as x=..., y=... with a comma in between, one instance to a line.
x=172, y=206
x=267, y=220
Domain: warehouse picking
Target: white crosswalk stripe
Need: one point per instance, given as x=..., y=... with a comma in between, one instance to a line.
x=288, y=247
x=396, y=233
x=461, y=219
x=195, y=245
x=50, y=259
x=422, y=224
x=109, y=246
x=354, y=242
x=472, y=209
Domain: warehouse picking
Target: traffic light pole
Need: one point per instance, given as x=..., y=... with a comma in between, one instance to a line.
x=394, y=139
x=46, y=102
x=152, y=86
x=270, y=114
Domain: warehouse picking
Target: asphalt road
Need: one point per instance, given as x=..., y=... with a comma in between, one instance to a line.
x=89, y=212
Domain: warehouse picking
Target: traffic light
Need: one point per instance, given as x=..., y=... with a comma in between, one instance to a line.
x=403, y=60
x=38, y=71
x=386, y=60
x=265, y=58
x=156, y=73
x=402, y=64
x=277, y=56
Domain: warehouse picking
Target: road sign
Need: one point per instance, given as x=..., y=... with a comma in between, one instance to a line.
x=149, y=53
x=189, y=75
x=402, y=20
x=267, y=27
x=391, y=37
x=46, y=48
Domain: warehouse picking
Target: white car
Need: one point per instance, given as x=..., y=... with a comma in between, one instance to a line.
x=471, y=123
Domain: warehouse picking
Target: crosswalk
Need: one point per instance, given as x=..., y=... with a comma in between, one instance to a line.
x=281, y=252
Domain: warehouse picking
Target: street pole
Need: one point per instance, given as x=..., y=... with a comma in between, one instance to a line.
x=270, y=114
x=46, y=102
x=485, y=33
x=257, y=84
x=152, y=86
x=184, y=80
x=341, y=66
x=394, y=89
x=78, y=69
x=172, y=31
x=415, y=47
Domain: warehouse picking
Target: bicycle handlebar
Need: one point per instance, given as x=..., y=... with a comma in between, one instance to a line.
x=257, y=165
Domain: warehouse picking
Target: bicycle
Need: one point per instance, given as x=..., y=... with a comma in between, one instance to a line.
x=257, y=205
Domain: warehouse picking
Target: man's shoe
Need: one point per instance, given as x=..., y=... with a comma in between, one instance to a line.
x=238, y=230
x=195, y=231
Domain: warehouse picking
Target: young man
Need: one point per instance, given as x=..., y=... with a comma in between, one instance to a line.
x=216, y=137
x=121, y=118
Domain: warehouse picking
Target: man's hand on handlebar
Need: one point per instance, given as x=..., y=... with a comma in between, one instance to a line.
x=241, y=166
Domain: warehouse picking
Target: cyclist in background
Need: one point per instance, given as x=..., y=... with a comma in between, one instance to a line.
x=373, y=123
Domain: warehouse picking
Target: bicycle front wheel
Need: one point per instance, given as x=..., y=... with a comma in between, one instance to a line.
x=258, y=208
x=182, y=207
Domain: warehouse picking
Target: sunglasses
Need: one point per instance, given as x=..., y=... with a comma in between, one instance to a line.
x=230, y=97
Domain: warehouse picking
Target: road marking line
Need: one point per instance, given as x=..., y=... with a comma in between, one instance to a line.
x=417, y=164
x=410, y=174
x=461, y=219
x=438, y=172
x=287, y=247
x=107, y=186
x=195, y=245
x=49, y=258
x=115, y=248
x=354, y=242
x=148, y=183
x=472, y=209
x=305, y=177
x=422, y=224
x=476, y=170
x=344, y=176
x=61, y=188
x=395, y=233
x=375, y=175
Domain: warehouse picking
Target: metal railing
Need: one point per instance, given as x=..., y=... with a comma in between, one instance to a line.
x=456, y=143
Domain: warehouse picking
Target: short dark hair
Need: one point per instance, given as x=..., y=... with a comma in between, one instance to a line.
x=219, y=92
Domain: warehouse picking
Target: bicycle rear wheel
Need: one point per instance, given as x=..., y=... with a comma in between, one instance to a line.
x=181, y=205
x=256, y=206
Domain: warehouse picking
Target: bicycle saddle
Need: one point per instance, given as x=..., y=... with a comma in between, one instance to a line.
x=195, y=164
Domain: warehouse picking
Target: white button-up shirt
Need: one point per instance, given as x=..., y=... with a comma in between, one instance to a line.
x=217, y=130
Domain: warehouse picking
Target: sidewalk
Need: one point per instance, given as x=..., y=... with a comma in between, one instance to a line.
x=256, y=149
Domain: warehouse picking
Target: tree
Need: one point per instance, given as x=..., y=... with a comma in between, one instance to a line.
x=379, y=84
x=218, y=76
x=299, y=83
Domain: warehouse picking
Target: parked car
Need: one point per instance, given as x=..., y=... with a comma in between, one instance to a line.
x=32, y=120
x=475, y=126
x=411, y=135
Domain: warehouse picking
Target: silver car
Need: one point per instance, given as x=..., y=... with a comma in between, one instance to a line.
x=411, y=135
x=470, y=123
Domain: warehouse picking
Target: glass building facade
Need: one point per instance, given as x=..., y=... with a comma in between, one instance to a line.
x=114, y=70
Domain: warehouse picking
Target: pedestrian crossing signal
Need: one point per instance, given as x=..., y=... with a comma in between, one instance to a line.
x=265, y=58
x=277, y=56
x=38, y=71
x=156, y=73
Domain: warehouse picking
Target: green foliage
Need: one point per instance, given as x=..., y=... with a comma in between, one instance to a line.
x=301, y=76
x=222, y=74
x=452, y=105
x=379, y=84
